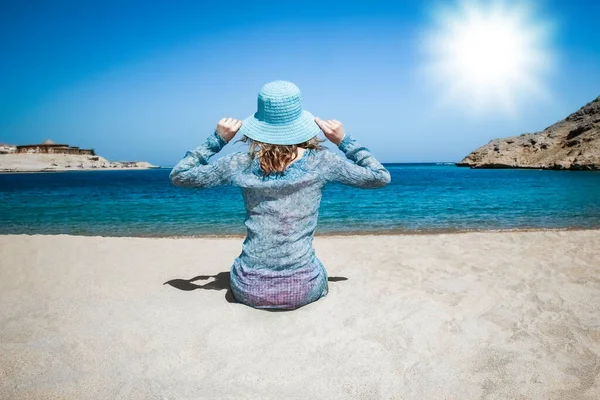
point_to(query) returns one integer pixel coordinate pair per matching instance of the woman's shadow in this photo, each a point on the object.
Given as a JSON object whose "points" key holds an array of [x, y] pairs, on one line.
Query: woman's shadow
{"points": [[220, 282]]}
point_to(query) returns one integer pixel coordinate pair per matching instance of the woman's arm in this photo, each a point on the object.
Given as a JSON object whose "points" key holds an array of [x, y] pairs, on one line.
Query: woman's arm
{"points": [[195, 171], [360, 168]]}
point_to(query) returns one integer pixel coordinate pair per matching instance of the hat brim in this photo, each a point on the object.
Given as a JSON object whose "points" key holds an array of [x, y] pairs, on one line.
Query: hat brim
{"points": [[298, 131]]}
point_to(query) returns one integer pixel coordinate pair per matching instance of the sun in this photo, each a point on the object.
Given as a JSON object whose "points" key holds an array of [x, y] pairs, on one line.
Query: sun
{"points": [[488, 56]]}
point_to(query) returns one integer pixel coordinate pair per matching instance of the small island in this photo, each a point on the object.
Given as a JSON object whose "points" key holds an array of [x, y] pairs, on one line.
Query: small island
{"points": [[572, 144], [53, 157]]}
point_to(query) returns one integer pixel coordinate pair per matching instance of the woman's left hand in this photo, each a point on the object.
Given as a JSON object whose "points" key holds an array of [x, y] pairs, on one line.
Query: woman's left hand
{"points": [[228, 127]]}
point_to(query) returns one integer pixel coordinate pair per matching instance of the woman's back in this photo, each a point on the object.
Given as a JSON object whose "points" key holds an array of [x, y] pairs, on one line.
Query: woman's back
{"points": [[281, 212]]}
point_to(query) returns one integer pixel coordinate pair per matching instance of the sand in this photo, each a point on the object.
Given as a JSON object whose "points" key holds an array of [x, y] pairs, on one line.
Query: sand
{"points": [[449, 316], [63, 162]]}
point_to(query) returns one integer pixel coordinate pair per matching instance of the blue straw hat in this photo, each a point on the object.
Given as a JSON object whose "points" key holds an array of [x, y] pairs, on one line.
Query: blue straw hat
{"points": [[280, 118]]}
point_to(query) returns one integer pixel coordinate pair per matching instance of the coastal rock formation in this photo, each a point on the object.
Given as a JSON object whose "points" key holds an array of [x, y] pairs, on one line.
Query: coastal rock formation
{"points": [[49, 156], [40, 162], [573, 143]]}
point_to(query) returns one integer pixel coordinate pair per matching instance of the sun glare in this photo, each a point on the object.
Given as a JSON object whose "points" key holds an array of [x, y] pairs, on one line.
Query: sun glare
{"points": [[487, 56]]}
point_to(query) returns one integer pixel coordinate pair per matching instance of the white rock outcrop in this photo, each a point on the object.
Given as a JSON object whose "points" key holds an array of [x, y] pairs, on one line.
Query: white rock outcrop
{"points": [[23, 162]]}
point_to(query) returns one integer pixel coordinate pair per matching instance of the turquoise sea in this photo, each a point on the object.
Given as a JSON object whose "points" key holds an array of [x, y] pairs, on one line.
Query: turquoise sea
{"points": [[420, 198]]}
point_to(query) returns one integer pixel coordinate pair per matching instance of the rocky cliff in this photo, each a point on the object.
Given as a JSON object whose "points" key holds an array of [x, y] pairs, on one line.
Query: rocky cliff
{"points": [[573, 143]]}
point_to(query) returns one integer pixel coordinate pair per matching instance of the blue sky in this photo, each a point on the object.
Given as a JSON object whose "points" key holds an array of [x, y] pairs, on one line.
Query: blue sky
{"points": [[150, 80]]}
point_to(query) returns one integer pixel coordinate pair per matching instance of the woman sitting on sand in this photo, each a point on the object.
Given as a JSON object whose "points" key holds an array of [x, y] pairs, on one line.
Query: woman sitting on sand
{"points": [[281, 177]]}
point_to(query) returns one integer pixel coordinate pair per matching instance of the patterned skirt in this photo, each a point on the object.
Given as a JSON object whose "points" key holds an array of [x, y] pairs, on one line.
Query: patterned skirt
{"points": [[285, 289]]}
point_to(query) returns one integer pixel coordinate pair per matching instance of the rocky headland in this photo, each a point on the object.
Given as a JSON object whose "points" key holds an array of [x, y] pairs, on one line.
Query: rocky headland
{"points": [[573, 143]]}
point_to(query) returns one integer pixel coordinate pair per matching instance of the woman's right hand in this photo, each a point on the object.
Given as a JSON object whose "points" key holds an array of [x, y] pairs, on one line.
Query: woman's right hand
{"points": [[333, 130]]}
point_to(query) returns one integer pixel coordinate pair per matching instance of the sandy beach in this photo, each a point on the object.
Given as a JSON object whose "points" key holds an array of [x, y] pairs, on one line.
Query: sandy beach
{"points": [[511, 315]]}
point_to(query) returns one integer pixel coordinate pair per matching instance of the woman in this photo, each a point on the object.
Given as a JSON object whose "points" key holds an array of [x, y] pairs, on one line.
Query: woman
{"points": [[281, 177]]}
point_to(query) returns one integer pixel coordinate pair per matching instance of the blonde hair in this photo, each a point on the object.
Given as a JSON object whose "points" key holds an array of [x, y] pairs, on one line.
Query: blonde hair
{"points": [[276, 157]]}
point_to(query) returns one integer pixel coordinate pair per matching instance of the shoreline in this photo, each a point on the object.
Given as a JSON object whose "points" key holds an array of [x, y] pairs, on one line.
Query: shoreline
{"points": [[79, 170], [61, 162], [528, 167], [394, 233]]}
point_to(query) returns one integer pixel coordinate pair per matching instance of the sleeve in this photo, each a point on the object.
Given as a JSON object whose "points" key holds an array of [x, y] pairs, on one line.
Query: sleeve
{"points": [[195, 171], [359, 169]]}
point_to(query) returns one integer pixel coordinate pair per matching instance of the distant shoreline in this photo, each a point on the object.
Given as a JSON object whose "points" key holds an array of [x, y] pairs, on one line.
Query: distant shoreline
{"points": [[50, 162], [45, 171], [396, 232], [524, 167]]}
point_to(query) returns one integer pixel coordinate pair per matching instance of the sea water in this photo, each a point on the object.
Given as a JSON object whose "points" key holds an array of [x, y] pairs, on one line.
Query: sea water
{"points": [[421, 198]]}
